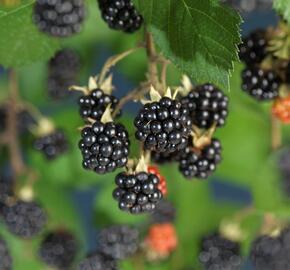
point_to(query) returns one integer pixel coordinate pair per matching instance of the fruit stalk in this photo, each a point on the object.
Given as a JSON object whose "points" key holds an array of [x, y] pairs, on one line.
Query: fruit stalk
{"points": [[276, 135]]}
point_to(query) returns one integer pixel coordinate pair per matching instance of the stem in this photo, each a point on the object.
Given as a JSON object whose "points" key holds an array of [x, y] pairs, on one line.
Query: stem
{"points": [[164, 74], [152, 59], [276, 133], [141, 90], [12, 128], [112, 61]]}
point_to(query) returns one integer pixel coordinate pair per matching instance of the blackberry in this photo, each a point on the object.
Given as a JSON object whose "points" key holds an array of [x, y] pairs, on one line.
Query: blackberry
{"points": [[219, 253], [63, 70], [201, 163], [207, 105], [137, 193], [5, 258], [269, 253], [260, 84], [118, 242], [105, 147], [165, 212], [253, 50], [94, 105], [52, 145], [121, 15], [98, 261], [163, 126], [59, 249], [59, 18], [24, 219]]}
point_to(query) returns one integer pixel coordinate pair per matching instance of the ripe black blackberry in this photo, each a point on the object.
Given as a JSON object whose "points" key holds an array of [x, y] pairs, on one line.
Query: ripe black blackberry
{"points": [[52, 145], [201, 163], [59, 18], [63, 70], [98, 261], [268, 253], [59, 249], [261, 84], [219, 253], [121, 15], [164, 212], [163, 126], [24, 219], [94, 105], [5, 258], [253, 49], [105, 147], [207, 105], [119, 241], [137, 193]]}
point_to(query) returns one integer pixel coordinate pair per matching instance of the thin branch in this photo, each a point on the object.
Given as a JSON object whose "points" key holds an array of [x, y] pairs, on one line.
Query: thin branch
{"points": [[12, 126], [152, 59], [138, 92], [276, 133], [112, 61], [164, 74]]}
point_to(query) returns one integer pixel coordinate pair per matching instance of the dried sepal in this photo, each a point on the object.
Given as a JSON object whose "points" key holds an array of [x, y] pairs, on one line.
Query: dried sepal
{"points": [[43, 127], [186, 85], [26, 193], [202, 138], [141, 165], [107, 115], [232, 230]]}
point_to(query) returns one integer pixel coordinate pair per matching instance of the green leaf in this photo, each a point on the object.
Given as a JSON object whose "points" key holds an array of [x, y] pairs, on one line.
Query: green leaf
{"points": [[21, 43], [283, 7], [200, 37]]}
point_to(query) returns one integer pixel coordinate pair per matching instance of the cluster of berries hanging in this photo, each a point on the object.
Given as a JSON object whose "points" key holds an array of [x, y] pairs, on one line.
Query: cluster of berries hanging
{"points": [[64, 18], [171, 126], [267, 73]]}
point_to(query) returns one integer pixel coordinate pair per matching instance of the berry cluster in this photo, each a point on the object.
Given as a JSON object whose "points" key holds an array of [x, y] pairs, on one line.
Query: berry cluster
{"points": [[163, 126], [60, 18], [261, 84], [121, 15], [160, 241], [58, 249], [268, 253], [253, 49], [119, 241], [98, 261], [162, 184], [24, 219], [105, 147], [137, 193], [52, 145], [5, 258], [219, 253], [207, 106], [200, 163], [63, 70], [94, 105]]}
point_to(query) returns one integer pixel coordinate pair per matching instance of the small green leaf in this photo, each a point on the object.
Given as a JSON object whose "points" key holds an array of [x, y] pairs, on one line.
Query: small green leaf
{"points": [[200, 37], [21, 43], [283, 7]]}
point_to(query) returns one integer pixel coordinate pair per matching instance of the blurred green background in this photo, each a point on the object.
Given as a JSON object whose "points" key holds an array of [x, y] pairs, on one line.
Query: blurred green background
{"points": [[82, 201]]}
